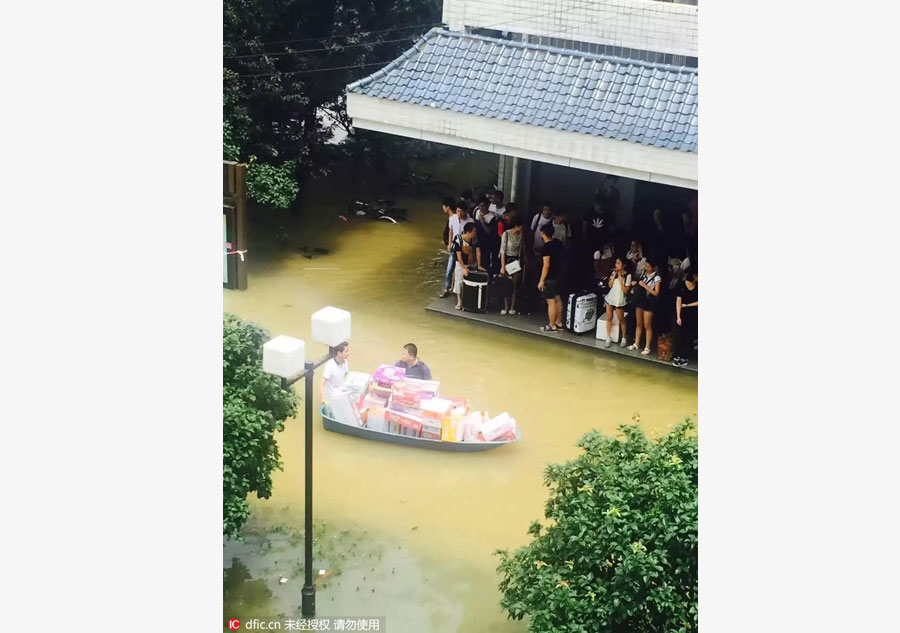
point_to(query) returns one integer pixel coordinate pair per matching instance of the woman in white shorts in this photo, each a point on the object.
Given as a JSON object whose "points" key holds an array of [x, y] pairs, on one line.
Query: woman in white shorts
{"points": [[616, 299]]}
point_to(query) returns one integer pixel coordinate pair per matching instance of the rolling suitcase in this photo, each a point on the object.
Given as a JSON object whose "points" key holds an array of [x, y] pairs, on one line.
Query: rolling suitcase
{"points": [[581, 312], [476, 291]]}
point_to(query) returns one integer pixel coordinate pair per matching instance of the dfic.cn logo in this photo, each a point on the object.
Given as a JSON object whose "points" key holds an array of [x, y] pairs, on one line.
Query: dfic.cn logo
{"points": [[234, 624]]}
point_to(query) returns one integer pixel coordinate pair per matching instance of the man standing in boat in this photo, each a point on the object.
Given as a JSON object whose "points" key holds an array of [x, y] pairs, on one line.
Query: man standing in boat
{"points": [[335, 370], [415, 368]]}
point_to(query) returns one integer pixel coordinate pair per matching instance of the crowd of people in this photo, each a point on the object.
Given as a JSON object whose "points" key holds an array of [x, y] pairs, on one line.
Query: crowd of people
{"points": [[648, 280]]}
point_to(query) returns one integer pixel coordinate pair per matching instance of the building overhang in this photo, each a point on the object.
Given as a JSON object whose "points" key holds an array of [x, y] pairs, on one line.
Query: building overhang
{"points": [[570, 149], [612, 115]]}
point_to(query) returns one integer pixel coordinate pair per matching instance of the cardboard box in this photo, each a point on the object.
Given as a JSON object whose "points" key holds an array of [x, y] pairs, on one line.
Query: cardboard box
{"points": [[387, 375], [436, 408], [460, 406], [601, 328], [431, 429], [407, 424], [429, 388], [502, 427]]}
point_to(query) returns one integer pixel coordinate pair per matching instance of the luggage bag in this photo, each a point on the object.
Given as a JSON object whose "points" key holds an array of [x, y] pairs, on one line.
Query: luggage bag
{"points": [[476, 291], [581, 312]]}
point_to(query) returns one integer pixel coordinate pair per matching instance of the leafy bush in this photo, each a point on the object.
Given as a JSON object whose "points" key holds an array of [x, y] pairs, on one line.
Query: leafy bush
{"points": [[254, 408], [272, 185], [231, 148], [619, 552]]}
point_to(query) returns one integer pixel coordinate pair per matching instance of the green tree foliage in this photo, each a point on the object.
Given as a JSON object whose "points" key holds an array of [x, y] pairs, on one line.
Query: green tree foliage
{"points": [[254, 409], [288, 61], [272, 185], [619, 550]]}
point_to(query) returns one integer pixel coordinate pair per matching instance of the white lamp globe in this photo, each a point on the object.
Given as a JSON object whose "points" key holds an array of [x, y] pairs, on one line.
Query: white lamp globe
{"points": [[284, 356], [331, 326]]}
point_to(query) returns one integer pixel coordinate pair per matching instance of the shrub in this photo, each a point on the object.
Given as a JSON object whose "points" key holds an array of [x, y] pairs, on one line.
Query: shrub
{"points": [[272, 185], [619, 551], [254, 408]]}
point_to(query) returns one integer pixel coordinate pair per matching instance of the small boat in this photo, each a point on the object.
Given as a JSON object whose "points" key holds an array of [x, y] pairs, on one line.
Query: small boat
{"points": [[331, 424]]}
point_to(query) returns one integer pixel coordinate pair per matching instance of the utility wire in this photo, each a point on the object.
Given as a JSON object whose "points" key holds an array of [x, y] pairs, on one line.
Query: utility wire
{"points": [[336, 48], [315, 70], [335, 37], [583, 5]]}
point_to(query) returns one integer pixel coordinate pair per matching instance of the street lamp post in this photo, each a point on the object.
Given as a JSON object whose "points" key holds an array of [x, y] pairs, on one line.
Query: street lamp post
{"points": [[285, 357]]}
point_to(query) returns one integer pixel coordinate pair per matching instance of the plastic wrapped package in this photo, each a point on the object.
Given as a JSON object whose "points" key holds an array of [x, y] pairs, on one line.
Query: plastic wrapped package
{"points": [[377, 419], [344, 408], [387, 375], [470, 426], [502, 427], [357, 382]]}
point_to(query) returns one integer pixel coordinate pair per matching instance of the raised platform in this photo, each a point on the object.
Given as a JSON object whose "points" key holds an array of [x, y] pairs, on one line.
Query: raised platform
{"points": [[531, 324]]}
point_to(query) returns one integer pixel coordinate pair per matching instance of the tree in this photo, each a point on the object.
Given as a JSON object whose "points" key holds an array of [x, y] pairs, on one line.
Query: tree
{"points": [[619, 551], [268, 184], [288, 61], [254, 409]]}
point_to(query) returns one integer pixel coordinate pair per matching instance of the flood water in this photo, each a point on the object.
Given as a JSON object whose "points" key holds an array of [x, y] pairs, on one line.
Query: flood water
{"points": [[448, 512]]}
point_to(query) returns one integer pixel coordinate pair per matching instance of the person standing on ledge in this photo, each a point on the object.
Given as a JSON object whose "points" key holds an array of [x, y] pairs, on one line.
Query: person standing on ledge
{"points": [[552, 277], [335, 369], [415, 368]]}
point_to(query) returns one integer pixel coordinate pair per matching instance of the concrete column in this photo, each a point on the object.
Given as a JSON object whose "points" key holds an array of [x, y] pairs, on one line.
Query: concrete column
{"points": [[625, 219], [514, 181], [523, 185], [504, 174]]}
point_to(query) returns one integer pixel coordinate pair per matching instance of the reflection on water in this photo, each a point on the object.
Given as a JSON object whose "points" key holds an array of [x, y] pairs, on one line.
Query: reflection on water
{"points": [[464, 506]]}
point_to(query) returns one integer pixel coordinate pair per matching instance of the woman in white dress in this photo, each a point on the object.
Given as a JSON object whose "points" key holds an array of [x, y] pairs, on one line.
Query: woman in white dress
{"points": [[616, 299]]}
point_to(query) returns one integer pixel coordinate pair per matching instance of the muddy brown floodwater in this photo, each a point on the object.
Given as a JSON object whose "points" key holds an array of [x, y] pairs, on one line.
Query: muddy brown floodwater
{"points": [[445, 513]]}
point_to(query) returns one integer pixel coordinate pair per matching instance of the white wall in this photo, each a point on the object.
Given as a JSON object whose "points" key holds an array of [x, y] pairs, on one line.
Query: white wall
{"points": [[642, 24]]}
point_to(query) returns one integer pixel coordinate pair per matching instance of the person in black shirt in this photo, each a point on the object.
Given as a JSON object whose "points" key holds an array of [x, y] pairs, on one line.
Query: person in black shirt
{"points": [[685, 318], [468, 254], [449, 208], [415, 367], [594, 227], [487, 221], [553, 255]]}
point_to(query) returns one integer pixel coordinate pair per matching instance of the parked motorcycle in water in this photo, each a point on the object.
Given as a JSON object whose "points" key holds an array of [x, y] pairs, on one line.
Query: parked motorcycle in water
{"points": [[382, 209]]}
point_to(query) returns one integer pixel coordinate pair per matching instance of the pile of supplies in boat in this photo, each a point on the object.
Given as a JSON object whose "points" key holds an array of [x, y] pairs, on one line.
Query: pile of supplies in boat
{"points": [[391, 403]]}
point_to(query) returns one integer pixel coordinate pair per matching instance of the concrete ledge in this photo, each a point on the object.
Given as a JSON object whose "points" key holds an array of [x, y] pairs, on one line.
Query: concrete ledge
{"points": [[531, 324]]}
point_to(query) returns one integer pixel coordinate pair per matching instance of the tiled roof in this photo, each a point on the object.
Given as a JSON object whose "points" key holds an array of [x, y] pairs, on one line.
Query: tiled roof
{"points": [[601, 95]]}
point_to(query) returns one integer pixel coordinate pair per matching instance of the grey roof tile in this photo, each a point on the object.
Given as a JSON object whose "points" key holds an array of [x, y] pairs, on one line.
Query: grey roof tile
{"points": [[626, 99]]}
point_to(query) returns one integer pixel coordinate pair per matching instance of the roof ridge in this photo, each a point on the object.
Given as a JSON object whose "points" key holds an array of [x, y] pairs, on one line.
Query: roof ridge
{"points": [[562, 51], [405, 55]]}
